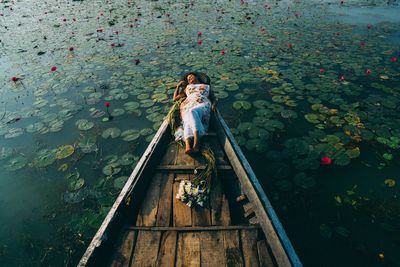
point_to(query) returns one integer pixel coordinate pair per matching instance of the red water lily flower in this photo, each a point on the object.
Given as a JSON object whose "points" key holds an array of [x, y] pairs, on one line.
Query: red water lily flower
{"points": [[325, 160], [322, 71], [14, 79], [222, 52], [290, 46], [99, 30], [71, 49], [107, 104], [342, 78], [113, 45], [53, 68], [199, 42], [368, 72], [199, 34], [394, 59]]}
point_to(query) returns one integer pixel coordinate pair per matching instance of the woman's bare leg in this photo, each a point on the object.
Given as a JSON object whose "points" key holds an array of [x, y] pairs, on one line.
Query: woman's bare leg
{"points": [[188, 149], [196, 141]]}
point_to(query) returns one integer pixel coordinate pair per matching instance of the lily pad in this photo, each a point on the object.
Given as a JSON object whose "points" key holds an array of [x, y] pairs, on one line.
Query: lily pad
{"points": [[111, 169], [111, 132], [44, 158], [120, 182], [127, 159], [5, 152], [130, 135], [84, 124], [64, 151], [88, 144], [390, 182], [16, 163], [245, 105], [76, 184]]}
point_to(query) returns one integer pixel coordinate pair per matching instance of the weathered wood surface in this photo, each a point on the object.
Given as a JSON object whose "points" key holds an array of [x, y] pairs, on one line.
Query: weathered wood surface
{"points": [[124, 249], [146, 249], [193, 228], [263, 254], [212, 249], [249, 247], [188, 253], [165, 202], [166, 255], [201, 215], [148, 213], [233, 252], [219, 206]]}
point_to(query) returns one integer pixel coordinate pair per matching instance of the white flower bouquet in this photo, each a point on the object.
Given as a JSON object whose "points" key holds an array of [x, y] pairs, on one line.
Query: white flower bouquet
{"points": [[191, 194], [196, 192]]}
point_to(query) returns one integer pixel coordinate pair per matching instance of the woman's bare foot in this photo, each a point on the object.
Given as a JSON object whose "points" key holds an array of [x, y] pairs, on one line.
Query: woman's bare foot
{"points": [[188, 149]]}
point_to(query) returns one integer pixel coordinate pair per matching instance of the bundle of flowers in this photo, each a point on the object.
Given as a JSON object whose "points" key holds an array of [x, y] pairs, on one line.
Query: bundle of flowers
{"points": [[196, 192], [191, 194]]}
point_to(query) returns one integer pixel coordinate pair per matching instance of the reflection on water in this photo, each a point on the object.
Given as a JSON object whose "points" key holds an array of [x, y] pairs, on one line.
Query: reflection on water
{"points": [[296, 83]]}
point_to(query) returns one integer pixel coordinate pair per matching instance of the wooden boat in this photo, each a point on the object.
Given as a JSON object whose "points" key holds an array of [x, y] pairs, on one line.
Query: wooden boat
{"points": [[148, 226]]}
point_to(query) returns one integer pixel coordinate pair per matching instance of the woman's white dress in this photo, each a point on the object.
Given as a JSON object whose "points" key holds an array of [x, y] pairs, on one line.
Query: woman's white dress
{"points": [[195, 110]]}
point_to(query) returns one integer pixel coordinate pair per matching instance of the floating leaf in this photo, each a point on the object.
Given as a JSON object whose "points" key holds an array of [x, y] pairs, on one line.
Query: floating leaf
{"points": [[242, 105], [388, 156], [63, 167], [311, 117], [130, 135], [353, 153], [64, 151], [390, 182], [5, 152], [120, 182], [16, 163], [338, 199], [88, 144], [76, 184], [111, 169], [44, 158], [84, 124], [111, 132]]}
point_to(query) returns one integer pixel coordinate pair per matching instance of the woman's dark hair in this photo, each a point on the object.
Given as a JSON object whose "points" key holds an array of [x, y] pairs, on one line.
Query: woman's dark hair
{"points": [[201, 77]]}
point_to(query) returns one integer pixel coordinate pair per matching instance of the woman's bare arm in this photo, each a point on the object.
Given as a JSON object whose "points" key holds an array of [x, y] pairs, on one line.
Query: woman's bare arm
{"points": [[177, 94]]}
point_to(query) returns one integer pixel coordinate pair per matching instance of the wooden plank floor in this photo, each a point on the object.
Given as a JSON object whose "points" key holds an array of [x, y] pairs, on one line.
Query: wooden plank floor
{"points": [[162, 235]]}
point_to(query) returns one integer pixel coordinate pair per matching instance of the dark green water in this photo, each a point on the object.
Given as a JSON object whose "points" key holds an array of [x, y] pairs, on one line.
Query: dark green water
{"points": [[60, 174]]}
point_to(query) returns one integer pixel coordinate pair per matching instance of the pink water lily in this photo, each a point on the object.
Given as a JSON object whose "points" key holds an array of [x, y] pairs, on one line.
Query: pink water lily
{"points": [[325, 160], [368, 72], [53, 68], [322, 71]]}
